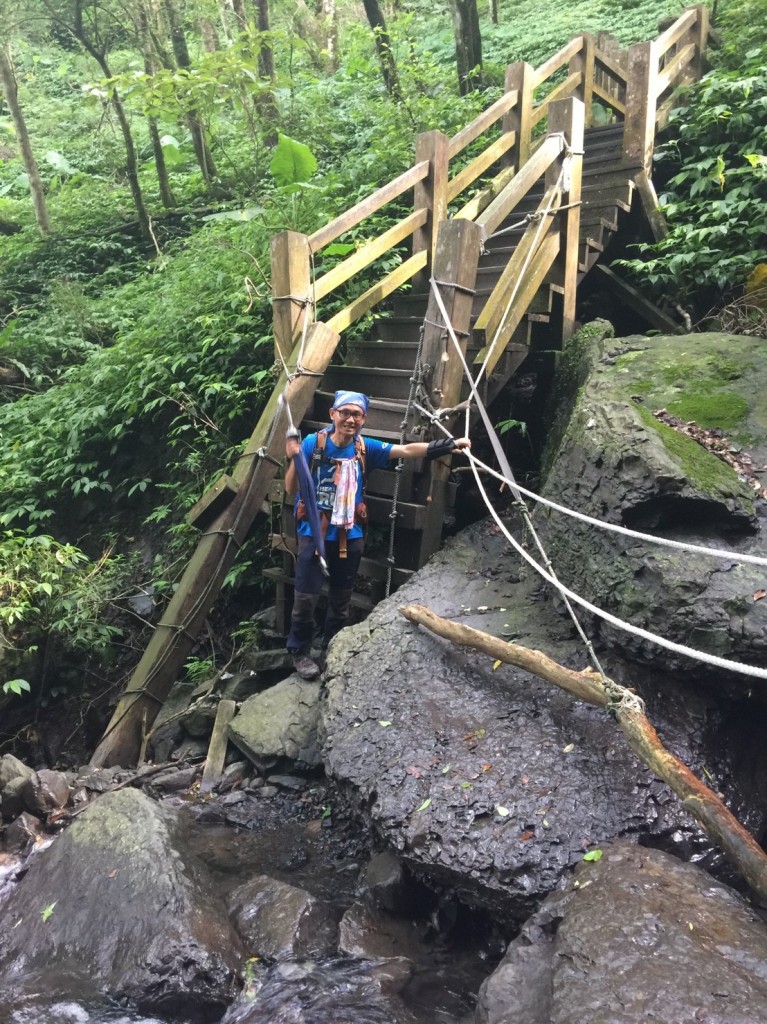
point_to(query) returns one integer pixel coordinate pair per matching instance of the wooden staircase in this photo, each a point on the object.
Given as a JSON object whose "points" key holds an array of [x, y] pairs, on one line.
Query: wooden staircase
{"points": [[536, 166]]}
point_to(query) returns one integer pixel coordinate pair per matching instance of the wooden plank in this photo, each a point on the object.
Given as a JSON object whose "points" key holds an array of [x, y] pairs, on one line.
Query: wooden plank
{"points": [[568, 117], [482, 200], [368, 253], [606, 62], [291, 283], [212, 503], [583, 63], [481, 124], [649, 198], [566, 88], [491, 316], [671, 74], [214, 762], [520, 77], [639, 131], [610, 99], [280, 576], [500, 208], [674, 33], [540, 266], [480, 164], [351, 313], [363, 209], [646, 309], [431, 194], [559, 59]]}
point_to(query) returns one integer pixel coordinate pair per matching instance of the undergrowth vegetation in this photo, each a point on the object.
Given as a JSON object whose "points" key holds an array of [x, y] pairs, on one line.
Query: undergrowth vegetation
{"points": [[132, 367]]}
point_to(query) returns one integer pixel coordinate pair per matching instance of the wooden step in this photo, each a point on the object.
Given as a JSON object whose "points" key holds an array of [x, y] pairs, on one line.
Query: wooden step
{"points": [[379, 382]]}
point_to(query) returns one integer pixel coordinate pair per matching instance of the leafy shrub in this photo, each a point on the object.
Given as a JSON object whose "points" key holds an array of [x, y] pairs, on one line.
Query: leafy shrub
{"points": [[715, 169]]}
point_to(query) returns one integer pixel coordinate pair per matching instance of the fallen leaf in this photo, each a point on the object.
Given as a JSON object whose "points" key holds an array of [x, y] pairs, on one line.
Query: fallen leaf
{"points": [[527, 835], [112, 873], [525, 779], [384, 725], [46, 913], [759, 594], [424, 805], [504, 812], [568, 749], [446, 769], [414, 771], [487, 767], [593, 855], [497, 665]]}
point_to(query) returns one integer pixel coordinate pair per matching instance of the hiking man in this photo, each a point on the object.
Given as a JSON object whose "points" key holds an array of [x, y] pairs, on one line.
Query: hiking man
{"points": [[339, 460]]}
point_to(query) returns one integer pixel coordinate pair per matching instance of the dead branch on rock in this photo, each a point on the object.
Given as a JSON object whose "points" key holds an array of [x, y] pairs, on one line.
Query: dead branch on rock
{"points": [[703, 804]]}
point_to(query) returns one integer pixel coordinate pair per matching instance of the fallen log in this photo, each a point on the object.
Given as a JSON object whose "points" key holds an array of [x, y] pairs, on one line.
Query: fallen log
{"points": [[628, 710]]}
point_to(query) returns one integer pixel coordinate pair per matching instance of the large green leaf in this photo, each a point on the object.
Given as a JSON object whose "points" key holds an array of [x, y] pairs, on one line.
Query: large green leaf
{"points": [[292, 162]]}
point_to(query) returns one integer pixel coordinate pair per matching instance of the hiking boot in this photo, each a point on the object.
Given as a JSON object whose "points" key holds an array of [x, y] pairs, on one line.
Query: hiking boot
{"points": [[305, 666]]}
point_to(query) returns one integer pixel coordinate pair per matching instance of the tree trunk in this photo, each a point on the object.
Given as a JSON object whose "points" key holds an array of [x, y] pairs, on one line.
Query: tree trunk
{"points": [[240, 17], [713, 815], [327, 15], [150, 66], [383, 47], [181, 53], [265, 102], [468, 44], [494, 11], [209, 35], [8, 80]]}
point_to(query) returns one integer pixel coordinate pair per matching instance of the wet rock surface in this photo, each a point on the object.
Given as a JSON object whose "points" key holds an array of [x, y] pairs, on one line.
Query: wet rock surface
{"points": [[89, 905], [490, 780], [617, 462], [279, 921], [635, 936], [281, 722]]}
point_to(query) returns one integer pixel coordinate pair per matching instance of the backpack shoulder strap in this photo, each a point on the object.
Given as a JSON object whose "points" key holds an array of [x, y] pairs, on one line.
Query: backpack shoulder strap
{"points": [[360, 453]]}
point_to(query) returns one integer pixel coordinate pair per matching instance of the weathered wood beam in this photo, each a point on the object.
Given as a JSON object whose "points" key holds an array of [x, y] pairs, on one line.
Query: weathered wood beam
{"points": [[480, 164], [350, 314], [177, 633], [214, 763], [639, 303], [650, 206], [704, 805], [481, 124], [568, 117], [455, 269]]}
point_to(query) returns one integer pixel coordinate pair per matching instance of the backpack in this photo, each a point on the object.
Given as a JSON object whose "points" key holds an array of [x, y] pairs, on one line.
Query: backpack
{"points": [[360, 509]]}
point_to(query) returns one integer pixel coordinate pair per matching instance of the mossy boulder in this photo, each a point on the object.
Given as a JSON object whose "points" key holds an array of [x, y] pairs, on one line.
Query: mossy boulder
{"points": [[616, 461]]}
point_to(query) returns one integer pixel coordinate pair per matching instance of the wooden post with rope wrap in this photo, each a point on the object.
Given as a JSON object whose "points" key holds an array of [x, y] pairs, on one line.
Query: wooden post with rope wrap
{"points": [[176, 635], [705, 806], [455, 270]]}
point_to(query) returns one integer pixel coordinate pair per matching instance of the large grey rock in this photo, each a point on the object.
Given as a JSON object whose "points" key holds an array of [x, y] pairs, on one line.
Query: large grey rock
{"points": [[618, 463], [129, 908], [636, 936], [12, 768], [280, 722], [374, 934], [490, 780], [45, 791], [280, 921]]}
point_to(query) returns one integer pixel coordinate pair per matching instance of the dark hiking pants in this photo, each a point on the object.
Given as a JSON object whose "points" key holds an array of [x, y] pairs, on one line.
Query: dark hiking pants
{"points": [[308, 586]]}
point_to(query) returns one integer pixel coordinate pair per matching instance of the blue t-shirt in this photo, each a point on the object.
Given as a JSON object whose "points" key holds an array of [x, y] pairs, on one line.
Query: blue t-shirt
{"points": [[376, 457]]}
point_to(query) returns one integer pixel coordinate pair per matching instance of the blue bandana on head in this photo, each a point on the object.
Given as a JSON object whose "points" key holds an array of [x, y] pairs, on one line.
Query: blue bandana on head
{"points": [[350, 398]]}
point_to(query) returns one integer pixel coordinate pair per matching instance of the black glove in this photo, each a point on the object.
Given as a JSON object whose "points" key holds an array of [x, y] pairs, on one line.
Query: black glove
{"points": [[443, 446]]}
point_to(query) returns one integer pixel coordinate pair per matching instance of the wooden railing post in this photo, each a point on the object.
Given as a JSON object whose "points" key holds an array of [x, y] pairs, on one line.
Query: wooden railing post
{"points": [[700, 38], [584, 62], [430, 195], [455, 264], [641, 100], [291, 289], [519, 76], [568, 116]]}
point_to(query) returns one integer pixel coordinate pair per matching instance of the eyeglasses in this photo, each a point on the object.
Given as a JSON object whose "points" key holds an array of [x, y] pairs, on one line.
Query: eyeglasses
{"points": [[347, 414]]}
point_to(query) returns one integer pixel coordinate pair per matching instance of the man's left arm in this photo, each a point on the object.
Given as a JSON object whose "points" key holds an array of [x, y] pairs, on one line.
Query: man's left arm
{"points": [[429, 449]]}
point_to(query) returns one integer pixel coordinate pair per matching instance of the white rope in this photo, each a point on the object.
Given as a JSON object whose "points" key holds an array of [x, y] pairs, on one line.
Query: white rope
{"points": [[555, 193], [708, 659], [730, 556]]}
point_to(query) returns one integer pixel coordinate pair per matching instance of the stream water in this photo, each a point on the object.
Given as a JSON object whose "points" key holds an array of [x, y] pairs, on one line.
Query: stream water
{"points": [[455, 951]]}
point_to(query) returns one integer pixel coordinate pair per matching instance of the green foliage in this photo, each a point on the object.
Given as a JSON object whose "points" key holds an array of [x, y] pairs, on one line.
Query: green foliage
{"points": [[716, 172], [50, 593]]}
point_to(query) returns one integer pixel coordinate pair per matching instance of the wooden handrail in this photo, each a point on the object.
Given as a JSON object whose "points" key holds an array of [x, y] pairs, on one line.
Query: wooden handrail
{"points": [[608, 64], [547, 69], [363, 209], [566, 88], [674, 32], [404, 272], [480, 164], [368, 253], [609, 99], [480, 124], [672, 72], [519, 186]]}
